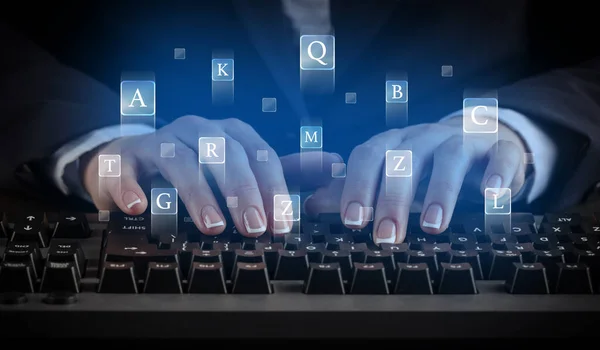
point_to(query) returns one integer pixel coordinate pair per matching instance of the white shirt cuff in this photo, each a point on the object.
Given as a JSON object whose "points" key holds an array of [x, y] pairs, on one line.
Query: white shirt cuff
{"points": [[543, 149], [73, 150]]}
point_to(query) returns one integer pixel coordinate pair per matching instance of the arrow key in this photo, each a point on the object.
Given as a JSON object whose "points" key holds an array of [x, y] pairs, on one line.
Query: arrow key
{"points": [[26, 232], [72, 226]]}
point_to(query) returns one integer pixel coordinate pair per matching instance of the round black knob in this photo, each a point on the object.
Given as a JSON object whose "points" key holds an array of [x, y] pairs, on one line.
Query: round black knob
{"points": [[13, 298], [60, 298]]}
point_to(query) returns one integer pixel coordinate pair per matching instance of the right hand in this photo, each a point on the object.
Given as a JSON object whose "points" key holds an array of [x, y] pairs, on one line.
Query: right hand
{"points": [[253, 183]]}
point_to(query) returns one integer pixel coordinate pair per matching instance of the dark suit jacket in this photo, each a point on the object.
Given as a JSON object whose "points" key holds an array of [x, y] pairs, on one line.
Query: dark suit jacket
{"points": [[491, 44]]}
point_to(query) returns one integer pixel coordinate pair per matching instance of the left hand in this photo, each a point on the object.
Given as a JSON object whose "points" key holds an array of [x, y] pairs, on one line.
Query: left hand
{"points": [[439, 150]]}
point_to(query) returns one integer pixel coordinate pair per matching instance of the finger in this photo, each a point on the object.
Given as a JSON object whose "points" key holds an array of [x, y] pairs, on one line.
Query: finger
{"points": [[363, 177], [451, 162], [234, 178], [184, 173], [504, 166], [311, 170], [124, 192], [268, 172], [396, 194]]}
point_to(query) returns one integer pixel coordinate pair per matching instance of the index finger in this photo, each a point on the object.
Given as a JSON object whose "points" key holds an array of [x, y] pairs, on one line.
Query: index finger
{"points": [[268, 172]]}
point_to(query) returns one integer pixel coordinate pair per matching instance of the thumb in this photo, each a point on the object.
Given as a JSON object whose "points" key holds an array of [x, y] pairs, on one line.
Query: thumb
{"points": [[310, 170], [122, 192]]}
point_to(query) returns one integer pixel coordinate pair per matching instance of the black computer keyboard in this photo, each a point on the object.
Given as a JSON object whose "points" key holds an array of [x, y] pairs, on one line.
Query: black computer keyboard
{"points": [[68, 274]]}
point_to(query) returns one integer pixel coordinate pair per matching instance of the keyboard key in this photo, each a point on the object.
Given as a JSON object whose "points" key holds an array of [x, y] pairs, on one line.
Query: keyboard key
{"points": [[28, 232], [118, 278], [292, 265], [574, 279], [67, 251], [337, 242], [413, 279], [60, 277], [343, 258], [385, 257], [470, 257], [499, 241], [206, 256], [294, 241], [423, 256], [207, 278], [163, 278], [369, 278], [228, 254], [456, 279], [271, 253], [314, 251], [27, 253], [527, 279], [72, 226], [564, 218], [325, 278], [502, 261], [400, 251], [17, 277], [251, 278]]}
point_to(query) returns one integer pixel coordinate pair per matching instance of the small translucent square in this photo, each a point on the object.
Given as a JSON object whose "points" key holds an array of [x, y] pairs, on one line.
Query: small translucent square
{"points": [[232, 202], [447, 71], [497, 201], [103, 215], [480, 115], [138, 98], [366, 213], [398, 163], [528, 159], [109, 165], [396, 91], [211, 150], [350, 97], [179, 53], [167, 150], [262, 155], [338, 170], [222, 69], [164, 201], [269, 104], [311, 137], [286, 207]]}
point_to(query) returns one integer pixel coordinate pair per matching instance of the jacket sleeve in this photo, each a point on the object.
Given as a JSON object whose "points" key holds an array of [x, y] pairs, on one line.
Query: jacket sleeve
{"points": [[565, 104], [44, 106]]}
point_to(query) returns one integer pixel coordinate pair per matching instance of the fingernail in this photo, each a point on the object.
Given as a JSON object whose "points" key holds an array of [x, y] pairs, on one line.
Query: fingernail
{"points": [[211, 217], [281, 227], [386, 232], [253, 221], [494, 182], [131, 199], [353, 215], [433, 216]]}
